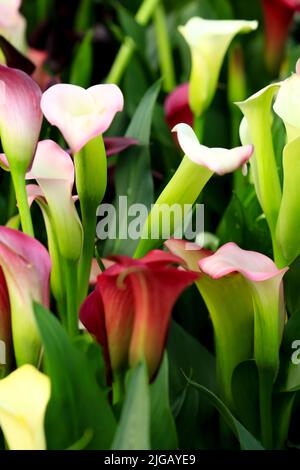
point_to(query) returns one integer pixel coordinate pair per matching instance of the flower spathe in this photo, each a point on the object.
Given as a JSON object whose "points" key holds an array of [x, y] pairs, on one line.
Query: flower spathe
{"points": [[53, 169], [5, 326], [286, 105], [20, 117], [208, 41], [129, 311], [177, 108], [81, 114], [24, 396], [218, 160], [26, 267], [265, 282]]}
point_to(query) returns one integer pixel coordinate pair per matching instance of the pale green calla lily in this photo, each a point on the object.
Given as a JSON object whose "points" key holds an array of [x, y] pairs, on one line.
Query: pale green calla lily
{"points": [[208, 41], [257, 111], [287, 106], [24, 396]]}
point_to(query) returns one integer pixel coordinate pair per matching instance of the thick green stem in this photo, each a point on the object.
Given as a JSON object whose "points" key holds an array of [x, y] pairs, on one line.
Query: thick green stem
{"points": [[22, 201], [199, 123], [126, 51], [91, 180], [71, 291], [265, 408], [164, 49]]}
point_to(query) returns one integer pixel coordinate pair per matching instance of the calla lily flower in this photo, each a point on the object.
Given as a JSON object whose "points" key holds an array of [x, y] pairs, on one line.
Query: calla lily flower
{"points": [[12, 23], [177, 108], [5, 326], [20, 117], [278, 15], [197, 167], [53, 170], [129, 311], [286, 108], [257, 128], [240, 287], [208, 41], [26, 267], [81, 114], [24, 396]]}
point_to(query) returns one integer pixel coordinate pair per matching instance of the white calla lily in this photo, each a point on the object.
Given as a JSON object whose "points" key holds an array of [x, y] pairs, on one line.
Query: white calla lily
{"points": [[209, 41], [218, 160], [22, 414]]}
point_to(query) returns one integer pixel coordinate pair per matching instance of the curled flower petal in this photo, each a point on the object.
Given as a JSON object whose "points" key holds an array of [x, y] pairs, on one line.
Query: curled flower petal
{"points": [[22, 414], [81, 114], [286, 105], [230, 258], [218, 160]]}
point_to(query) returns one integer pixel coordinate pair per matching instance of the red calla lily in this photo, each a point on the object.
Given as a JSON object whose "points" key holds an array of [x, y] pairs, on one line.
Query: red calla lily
{"points": [[129, 310], [278, 17]]}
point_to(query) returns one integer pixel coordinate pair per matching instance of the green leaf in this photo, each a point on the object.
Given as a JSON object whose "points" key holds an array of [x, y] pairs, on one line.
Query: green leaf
{"points": [[246, 440], [133, 176], [163, 430], [82, 65], [289, 374], [78, 405], [132, 29], [133, 432]]}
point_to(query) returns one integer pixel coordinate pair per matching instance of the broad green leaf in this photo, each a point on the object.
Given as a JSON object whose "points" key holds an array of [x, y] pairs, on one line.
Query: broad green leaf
{"points": [[163, 430], [289, 374], [82, 65], [78, 405], [246, 440], [133, 432], [133, 176]]}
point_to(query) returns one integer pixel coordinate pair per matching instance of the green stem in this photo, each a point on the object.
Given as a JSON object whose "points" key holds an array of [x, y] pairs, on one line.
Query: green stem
{"points": [[199, 123], [91, 180], [11, 209], [126, 50], [71, 291], [265, 407], [118, 389], [164, 49], [22, 201], [84, 269]]}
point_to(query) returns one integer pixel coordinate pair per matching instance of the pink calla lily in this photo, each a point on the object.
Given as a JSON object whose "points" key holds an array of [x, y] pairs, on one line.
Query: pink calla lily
{"points": [[20, 117], [26, 267], [129, 311], [81, 114], [12, 23], [177, 108]]}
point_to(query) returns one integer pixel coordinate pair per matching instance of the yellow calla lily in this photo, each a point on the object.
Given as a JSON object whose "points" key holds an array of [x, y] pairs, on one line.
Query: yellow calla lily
{"points": [[24, 395], [209, 41]]}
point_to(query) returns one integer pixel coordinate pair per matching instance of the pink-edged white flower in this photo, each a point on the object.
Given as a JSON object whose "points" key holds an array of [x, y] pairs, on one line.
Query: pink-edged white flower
{"points": [[243, 291], [218, 160], [20, 117], [53, 169], [26, 267], [81, 114]]}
